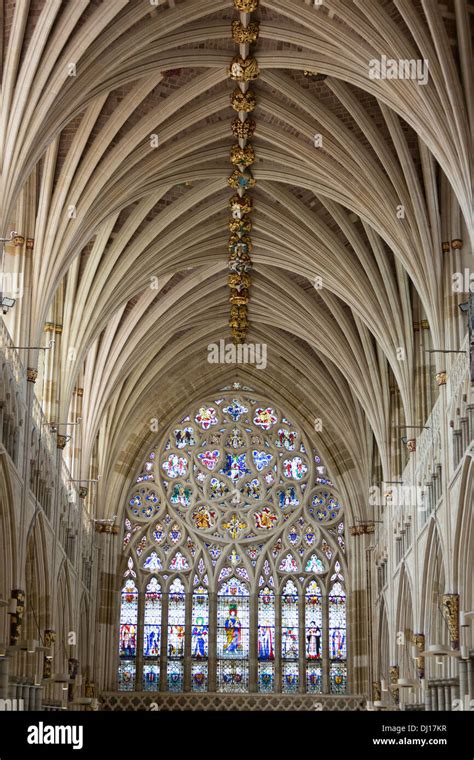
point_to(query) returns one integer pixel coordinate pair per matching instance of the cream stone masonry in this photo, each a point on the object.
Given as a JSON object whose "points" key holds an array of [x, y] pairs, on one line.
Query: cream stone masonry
{"points": [[114, 153]]}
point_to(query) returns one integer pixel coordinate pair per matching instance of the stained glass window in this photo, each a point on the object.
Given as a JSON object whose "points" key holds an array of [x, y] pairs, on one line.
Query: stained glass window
{"points": [[266, 639], [337, 638], [152, 636], [234, 500], [176, 634], [289, 622], [128, 635], [313, 637], [233, 610], [200, 639]]}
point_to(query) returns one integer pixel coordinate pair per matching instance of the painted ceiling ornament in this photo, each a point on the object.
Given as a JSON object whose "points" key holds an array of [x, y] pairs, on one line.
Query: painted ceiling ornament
{"points": [[240, 245], [239, 298], [245, 34], [242, 156], [241, 180], [238, 321], [243, 129], [243, 101], [240, 206], [238, 281], [247, 6], [243, 69], [240, 226]]}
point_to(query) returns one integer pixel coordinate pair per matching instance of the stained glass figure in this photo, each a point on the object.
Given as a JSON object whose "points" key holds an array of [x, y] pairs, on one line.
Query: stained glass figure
{"points": [[289, 622], [128, 620], [204, 518], [175, 466], [286, 439], [184, 437], [200, 624], [266, 624], [152, 562], [206, 417], [337, 622], [288, 497], [235, 466], [233, 620], [265, 519], [179, 562], [288, 564], [152, 620], [265, 418], [176, 622], [294, 468], [313, 621], [315, 565], [181, 494]]}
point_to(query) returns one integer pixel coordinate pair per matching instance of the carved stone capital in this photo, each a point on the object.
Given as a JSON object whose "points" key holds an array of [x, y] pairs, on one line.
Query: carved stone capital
{"points": [[362, 529], [411, 445], [31, 374], [61, 441], [49, 638], [456, 244], [441, 377], [106, 528]]}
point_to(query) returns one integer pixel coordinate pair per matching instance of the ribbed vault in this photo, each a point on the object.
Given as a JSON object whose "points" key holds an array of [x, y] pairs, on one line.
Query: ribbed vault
{"points": [[143, 215]]}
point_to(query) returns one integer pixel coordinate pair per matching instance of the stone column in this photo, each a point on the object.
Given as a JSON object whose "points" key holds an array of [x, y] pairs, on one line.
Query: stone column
{"points": [[188, 628], [253, 644], [463, 682], [38, 697], [447, 696], [441, 700], [278, 643], [428, 702], [433, 689], [4, 671], [212, 642]]}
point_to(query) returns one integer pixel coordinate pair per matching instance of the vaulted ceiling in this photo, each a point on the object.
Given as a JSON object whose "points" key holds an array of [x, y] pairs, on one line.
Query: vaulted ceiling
{"points": [[85, 85]]}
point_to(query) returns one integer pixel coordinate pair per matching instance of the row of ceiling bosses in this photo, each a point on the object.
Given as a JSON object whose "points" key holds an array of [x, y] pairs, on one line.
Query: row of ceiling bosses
{"points": [[243, 70]]}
